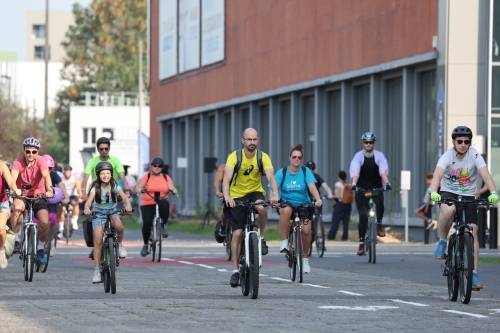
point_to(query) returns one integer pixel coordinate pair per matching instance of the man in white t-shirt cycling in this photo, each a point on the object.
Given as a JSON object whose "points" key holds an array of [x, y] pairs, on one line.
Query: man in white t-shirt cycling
{"points": [[456, 172], [74, 190]]}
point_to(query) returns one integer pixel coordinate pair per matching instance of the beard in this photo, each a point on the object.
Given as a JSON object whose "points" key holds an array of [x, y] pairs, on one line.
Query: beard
{"points": [[251, 147]]}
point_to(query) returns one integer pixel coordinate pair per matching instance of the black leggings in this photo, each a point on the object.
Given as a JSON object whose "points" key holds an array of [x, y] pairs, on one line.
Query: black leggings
{"points": [[362, 205], [148, 214]]}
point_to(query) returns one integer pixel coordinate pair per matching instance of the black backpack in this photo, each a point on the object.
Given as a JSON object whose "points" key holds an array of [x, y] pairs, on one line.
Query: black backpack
{"points": [[237, 167]]}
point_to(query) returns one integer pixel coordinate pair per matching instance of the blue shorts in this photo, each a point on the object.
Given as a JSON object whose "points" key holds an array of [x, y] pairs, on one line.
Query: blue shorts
{"points": [[5, 206], [100, 219]]}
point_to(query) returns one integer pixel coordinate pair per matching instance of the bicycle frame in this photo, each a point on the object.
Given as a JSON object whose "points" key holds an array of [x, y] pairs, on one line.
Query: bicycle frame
{"points": [[250, 229]]}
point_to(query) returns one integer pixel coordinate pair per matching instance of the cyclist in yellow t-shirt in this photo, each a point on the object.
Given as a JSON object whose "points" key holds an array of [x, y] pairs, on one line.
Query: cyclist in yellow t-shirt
{"points": [[247, 185]]}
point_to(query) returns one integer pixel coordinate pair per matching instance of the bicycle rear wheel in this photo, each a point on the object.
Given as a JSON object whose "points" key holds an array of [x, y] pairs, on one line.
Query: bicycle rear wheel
{"points": [[466, 266], [46, 246], [451, 267], [320, 237], [112, 264], [253, 270], [159, 239], [229, 238], [291, 258], [67, 227], [298, 253], [31, 252], [244, 276]]}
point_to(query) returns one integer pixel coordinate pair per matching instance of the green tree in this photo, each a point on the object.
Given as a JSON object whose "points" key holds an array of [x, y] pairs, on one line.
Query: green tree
{"points": [[102, 54]]}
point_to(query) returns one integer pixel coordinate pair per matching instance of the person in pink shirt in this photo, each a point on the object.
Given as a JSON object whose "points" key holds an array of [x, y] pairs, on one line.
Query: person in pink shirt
{"points": [[32, 169]]}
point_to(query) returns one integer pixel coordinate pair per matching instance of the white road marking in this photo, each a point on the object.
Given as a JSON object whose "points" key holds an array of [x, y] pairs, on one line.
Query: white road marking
{"points": [[466, 313], [280, 279], [206, 266], [360, 308], [222, 270], [314, 285], [167, 259], [411, 303], [262, 275], [350, 293], [496, 311], [186, 262]]}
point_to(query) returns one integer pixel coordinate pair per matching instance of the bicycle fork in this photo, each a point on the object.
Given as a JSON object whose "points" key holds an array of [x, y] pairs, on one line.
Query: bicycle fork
{"points": [[248, 231]]}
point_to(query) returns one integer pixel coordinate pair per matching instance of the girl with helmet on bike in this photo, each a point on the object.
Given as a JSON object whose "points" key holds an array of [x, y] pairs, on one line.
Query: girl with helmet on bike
{"points": [[154, 181], [103, 196]]}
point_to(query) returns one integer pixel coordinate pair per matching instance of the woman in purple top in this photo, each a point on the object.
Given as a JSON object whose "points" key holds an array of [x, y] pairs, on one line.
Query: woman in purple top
{"points": [[369, 170]]}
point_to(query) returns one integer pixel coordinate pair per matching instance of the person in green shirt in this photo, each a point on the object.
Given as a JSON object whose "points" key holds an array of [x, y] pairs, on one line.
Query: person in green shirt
{"points": [[103, 146]]}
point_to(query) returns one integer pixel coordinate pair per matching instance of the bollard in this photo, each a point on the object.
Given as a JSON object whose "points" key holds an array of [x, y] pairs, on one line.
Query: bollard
{"points": [[494, 227], [481, 226]]}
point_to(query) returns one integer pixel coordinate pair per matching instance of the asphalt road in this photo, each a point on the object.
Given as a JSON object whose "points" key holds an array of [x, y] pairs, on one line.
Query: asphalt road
{"points": [[189, 292]]}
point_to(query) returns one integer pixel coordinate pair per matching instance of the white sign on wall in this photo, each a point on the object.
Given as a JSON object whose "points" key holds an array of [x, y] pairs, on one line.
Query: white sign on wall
{"points": [[168, 39], [212, 31], [189, 35]]}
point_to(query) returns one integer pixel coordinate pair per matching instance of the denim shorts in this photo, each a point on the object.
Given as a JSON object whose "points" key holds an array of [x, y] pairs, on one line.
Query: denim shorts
{"points": [[100, 219], [5, 206]]}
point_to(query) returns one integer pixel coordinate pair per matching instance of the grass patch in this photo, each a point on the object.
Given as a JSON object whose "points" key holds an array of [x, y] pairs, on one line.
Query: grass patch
{"points": [[490, 260]]}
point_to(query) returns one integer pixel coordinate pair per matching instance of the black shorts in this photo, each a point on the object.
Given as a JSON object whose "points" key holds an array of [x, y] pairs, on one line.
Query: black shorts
{"points": [[470, 209], [73, 198], [38, 206], [240, 213], [227, 212]]}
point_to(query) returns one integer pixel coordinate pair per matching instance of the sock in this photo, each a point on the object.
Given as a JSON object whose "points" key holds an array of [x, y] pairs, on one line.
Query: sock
{"points": [[61, 226], [97, 269], [16, 237], [429, 221], [444, 240], [74, 219], [120, 244], [236, 271], [41, 245]]}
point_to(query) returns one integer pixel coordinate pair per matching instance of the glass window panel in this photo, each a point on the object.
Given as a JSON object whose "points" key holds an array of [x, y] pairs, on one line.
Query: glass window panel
{"points": [[495, 92], [308, 114], [495, 150], [263, 131], [39, 31], [495, 49], [333, 109], [284, 133], [228, 144], [362, 109]]}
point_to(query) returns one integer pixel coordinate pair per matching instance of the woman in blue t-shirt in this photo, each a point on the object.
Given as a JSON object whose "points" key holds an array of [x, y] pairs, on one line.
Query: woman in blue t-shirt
{"points": [[293, 189], [103, 196]]}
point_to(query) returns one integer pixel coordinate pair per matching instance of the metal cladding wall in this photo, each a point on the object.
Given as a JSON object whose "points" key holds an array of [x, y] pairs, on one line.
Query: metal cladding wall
{"points": [[271, 44]]}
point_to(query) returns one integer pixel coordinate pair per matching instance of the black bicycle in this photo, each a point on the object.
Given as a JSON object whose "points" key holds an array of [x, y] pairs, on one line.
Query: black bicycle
{"points": [[29, 239], [317, 232], [155, 240], [459, 262], [110, 258], [67, 226], [250, 259], [371, 228], [295, 254]]}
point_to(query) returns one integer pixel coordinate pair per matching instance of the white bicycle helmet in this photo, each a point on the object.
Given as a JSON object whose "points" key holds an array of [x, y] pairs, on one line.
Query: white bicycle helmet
{"points": [[31, 142], [368, 136]]}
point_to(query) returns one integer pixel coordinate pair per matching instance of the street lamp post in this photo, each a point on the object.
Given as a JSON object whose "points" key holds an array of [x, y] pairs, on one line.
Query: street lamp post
{"points": [[46, 54], [139, 142]]}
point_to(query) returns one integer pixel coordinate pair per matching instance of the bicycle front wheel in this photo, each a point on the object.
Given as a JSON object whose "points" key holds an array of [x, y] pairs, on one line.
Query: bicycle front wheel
{"points": [[105, 260], [253, 270], [292, 264], [451, 267], [320, 237], [229, 238], [244, 276], [67, 227], [31, 252], [298, 253], [112, 264], [159, 239], [373, 242], [466, 266], [152, 243]]}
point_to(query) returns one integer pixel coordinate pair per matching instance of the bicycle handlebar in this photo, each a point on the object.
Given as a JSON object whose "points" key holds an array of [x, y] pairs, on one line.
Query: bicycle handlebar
{"points": [[162, 197], [117, 211], [252, 203], [453, 201], [284, 203]]}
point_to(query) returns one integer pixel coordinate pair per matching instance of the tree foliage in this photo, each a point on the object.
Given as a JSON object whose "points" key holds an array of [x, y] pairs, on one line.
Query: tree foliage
{"points": [[102, 54]]}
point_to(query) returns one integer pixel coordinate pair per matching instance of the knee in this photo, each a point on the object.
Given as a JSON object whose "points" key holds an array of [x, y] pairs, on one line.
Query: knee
{"points": [[97, 242], [3, 232]]}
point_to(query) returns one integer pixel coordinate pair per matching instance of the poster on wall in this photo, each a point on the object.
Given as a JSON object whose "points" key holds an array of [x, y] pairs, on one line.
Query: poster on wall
{"points": [[168, 39], [212, 31], [189, 35], [440, 117]]}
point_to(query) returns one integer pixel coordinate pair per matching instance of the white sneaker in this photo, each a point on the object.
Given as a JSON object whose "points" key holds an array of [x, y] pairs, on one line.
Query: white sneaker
{"points": [[122, 252], [3, 260], [305, 266], [74, 225], [284, 246], [53, 248], [96, 278]]}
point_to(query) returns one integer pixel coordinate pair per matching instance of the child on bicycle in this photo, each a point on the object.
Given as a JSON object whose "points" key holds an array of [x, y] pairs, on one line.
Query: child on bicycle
{"points": [[103, 196]]}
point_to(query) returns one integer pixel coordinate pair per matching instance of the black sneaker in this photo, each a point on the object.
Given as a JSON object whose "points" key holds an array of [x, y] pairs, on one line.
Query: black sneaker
{"points": [[91, 255], [361, 250], [265, 249], [235, 280], [164, 233], [144, 251]]}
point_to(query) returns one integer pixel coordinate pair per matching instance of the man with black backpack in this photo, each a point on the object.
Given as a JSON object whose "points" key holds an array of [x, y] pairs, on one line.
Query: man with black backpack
{"points": [[242, 181]]}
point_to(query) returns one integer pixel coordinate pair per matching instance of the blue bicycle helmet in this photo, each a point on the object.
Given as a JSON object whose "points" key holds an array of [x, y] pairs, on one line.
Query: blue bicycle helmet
{"points": [[368, 136]]}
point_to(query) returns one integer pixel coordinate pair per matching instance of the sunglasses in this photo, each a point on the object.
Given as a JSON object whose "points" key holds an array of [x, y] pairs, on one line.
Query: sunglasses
{"points": [[368, 142], [463, 141], [157, 165], [103, 149], [107, 197], [31, 152], [296, 157]]}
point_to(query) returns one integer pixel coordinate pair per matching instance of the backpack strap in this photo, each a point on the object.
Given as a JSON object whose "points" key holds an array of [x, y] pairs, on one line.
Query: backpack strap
{"points": [[260, 164], [236, 167], [149, 176], [284, 174]]}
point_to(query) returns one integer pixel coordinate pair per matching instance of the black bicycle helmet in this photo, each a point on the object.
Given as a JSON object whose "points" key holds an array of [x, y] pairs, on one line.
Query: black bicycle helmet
{"points": [[218, 237], [157, 160], [368, 136], [311, 165], [67, 167], [461, 131], [102, 140], [103, 166]]}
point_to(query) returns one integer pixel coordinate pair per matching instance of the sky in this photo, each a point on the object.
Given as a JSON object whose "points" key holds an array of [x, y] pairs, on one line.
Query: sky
{"points": [[13, 21]]}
